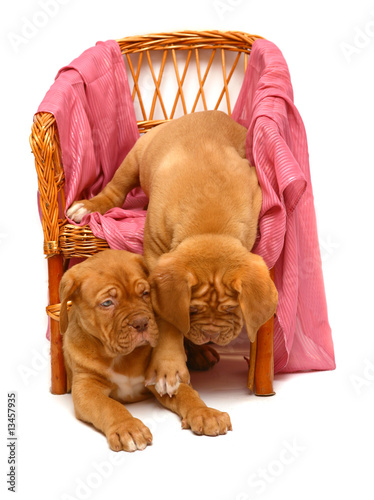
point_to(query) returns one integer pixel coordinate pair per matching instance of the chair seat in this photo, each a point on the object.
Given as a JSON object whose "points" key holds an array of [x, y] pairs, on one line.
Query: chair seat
{"points": [[79, 241]]}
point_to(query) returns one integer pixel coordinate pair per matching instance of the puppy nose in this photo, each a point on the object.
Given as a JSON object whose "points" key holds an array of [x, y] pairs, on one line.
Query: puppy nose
{"points": [[213, 334], [140, 323]]}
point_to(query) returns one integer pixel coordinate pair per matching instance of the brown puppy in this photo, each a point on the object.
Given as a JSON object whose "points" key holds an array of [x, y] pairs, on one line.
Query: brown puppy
{"points": [[108, 335], [204, 203]]}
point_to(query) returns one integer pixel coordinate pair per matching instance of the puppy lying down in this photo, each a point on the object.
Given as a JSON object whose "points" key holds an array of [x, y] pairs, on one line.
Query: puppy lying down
{"points": [[202, 219], [108, 336]]}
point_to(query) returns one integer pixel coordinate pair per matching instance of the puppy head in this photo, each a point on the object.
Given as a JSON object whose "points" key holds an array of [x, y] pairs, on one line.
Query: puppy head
{"points": [[209, 285], [110, 298]]}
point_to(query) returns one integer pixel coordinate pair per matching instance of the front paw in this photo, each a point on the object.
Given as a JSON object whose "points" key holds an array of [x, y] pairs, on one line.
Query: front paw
{"points": [[166, 375], [129, 435], [78, 210], [207, 421], [200, 357]]}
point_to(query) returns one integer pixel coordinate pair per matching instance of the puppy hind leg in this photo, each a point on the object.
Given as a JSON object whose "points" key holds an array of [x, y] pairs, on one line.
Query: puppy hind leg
{"points": [[124, 180], [114, 193]]}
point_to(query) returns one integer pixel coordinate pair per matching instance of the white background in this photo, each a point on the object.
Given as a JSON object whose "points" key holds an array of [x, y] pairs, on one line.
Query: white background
{"points": [[314, 439]]}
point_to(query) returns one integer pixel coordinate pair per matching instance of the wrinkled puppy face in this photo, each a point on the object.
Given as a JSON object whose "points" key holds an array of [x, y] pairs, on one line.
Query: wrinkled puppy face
{"points": [[110, 298], [208, 287], [214, 310]]}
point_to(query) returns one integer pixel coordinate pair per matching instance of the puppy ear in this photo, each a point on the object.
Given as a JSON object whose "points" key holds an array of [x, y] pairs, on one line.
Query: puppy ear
{"points": [[171, 286], [258, 296], [68, 286]]}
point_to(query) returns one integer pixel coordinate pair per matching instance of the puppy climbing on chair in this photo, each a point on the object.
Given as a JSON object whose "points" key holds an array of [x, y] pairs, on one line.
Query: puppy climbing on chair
{"points": [[201, 225], [109, 332]]}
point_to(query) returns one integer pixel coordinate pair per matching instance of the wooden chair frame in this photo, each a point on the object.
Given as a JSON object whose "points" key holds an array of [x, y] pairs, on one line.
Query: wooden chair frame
{"points": [[62, 240]]}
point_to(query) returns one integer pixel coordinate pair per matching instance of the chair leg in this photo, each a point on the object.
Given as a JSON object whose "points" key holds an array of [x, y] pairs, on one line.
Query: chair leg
{"points": [[252, 365], [264, 370], [58, 372], [261, 362]]}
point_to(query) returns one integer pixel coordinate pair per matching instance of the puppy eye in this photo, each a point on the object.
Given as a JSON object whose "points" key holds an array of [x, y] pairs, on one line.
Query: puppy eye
{"points": [[145, 294], [230, 308], [107, 303], [193, 310]]}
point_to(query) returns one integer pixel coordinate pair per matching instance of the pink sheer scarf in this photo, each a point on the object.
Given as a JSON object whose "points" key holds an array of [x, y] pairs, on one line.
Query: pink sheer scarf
{"points": [[95, 116], [277, 146]]}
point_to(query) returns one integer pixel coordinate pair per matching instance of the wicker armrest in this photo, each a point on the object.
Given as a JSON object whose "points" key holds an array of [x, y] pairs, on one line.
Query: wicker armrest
{"points": [[45, 145]]}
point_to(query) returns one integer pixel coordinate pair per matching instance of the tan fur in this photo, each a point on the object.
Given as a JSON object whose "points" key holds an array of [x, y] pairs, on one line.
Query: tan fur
{"points": [[108, 335], [204, 204]]}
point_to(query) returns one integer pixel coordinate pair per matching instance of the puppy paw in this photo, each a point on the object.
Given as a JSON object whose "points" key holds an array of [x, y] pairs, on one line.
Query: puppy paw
{"points": [[207, 421], [200, 357], [78, 210], [130, 435], [166, 376]]}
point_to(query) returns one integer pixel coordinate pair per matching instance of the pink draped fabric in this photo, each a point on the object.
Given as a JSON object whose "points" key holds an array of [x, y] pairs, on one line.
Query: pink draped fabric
{"points": [[92, 104], [277, 145], [96, 121]]}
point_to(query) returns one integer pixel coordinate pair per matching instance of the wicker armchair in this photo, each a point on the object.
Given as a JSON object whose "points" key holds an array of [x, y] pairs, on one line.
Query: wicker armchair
{"points": [[207, 70]]}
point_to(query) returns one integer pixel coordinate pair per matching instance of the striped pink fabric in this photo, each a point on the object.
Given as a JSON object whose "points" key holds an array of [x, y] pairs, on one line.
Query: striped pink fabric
{"points": [[94, 111], [277, 146], [91, 102]]}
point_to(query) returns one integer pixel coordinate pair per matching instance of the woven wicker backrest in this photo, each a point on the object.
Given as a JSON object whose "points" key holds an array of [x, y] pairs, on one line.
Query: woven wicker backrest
{"points": [[178, 73], [170, 74]]}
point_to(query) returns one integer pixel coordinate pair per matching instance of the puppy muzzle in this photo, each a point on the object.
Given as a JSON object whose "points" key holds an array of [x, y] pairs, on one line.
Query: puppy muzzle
{"points": [[140, 323], [135, 331], [202, 333], [145, 329], [201, 336]]}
